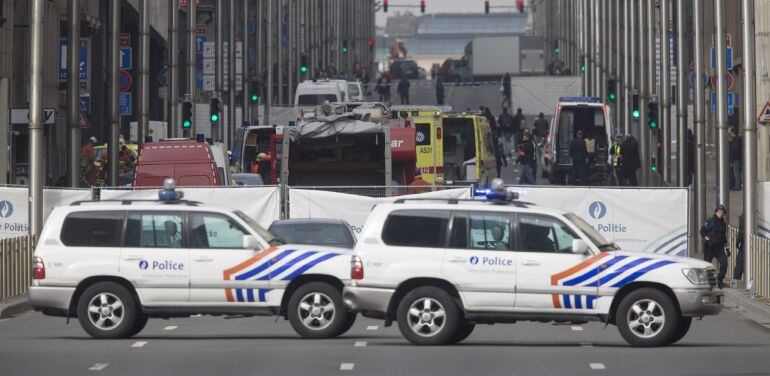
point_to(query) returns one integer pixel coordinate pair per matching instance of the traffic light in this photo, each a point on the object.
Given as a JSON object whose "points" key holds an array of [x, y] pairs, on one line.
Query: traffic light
{"points": [[371, 44], [635, 110], [344, 46], [486, 7], [582, 67], [520, 6], [612, 90], [215, 111], [187, 114], [652, 115], [422, 6], [303, 64], [385, 6], [654, 164]]}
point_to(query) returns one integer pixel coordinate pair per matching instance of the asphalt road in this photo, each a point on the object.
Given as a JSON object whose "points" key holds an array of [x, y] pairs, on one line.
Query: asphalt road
{"points": [[34, 344]]}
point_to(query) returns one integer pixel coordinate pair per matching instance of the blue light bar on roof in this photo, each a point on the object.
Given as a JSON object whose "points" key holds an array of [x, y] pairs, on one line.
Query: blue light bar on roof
{"points": [[580, 99]]}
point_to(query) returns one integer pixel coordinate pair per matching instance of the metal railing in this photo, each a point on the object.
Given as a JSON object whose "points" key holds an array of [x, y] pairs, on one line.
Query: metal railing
{"points": [[15, 266], [380, 191], [760, 261]]}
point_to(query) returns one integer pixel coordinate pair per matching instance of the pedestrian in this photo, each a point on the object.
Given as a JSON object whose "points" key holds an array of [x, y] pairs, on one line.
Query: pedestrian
{"points": [[500, 157], [418, 184], [518, 120], [590, 149], [631, 161], [541, 128], [505, 122], [255, 168], [505, 88], [88, 171], [579, 155], [439, 92], [740, 257], [491, 119], [383, 88], [528, 160], [403, 90], [126, 163], [714, 237], [734, 156], [616, 159]]}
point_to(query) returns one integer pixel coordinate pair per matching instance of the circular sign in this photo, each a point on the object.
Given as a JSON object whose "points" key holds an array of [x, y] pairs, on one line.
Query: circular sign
{"points": [[729, 80], [124, 81], [691, 78]]}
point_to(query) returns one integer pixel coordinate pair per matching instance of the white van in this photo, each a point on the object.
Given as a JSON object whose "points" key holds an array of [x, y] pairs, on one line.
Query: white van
{"points": [[352, 91], [314, 93]]}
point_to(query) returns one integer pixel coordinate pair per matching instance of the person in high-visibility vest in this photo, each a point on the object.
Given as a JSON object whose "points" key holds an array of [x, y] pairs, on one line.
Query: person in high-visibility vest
{"points": [[255, 167], [616, 158]]}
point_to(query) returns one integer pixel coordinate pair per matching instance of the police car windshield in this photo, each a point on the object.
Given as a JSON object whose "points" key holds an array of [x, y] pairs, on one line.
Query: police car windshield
{"points": [[596, 238], [269, 238]]}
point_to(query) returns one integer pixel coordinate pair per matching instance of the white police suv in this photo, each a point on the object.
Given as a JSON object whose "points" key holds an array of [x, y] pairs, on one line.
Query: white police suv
{"points": [[439, 267], [114, 264]]}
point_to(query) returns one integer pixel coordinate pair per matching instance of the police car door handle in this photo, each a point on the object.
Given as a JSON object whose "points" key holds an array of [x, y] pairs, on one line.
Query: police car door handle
{"points": [[204, 259], [132, 258], [457, 259], [530, 263]]}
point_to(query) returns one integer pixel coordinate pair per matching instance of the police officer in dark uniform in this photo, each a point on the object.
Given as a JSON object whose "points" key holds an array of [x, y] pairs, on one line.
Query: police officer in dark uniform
{"points": [[714, 237]]}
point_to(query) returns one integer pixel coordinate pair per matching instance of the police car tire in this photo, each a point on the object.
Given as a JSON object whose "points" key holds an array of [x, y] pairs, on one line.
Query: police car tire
{"points": [[348, 323], [141, 322], [683, 326], [464, 331], [447, 333], [664, 335], [129, 311], [339, 319]]}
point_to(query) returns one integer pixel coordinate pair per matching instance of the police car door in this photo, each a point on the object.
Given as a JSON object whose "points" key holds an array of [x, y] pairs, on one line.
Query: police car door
{"points": [[480, 260], [155, 258], [222, 271], [550, 276]]}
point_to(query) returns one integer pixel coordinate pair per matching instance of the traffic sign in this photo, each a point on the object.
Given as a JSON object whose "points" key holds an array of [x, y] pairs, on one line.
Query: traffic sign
{"points": [[764, 115], [731, 102], [124, 40], [729, 81], [125, 104], [63, 72], [199, 41], [124, 81], [85, 103], [126, 58], [728, 58], [21, 116], [691, 77], [201, 29]]}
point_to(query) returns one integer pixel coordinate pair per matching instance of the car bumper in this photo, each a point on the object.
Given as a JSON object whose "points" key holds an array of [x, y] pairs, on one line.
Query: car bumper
{"points": [[369, 301], [699, 302], [57, 298]]}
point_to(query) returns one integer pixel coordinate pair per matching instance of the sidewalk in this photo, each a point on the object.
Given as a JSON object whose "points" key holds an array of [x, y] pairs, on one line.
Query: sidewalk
{"points": [[757, 310], [14, 306]]}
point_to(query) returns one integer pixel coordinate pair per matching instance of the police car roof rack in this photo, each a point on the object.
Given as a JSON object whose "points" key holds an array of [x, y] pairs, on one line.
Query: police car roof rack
{"points": [[456, 201], [130, 202]]}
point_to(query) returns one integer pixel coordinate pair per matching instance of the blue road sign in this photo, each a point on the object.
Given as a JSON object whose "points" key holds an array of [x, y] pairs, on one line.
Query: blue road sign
{"points": [[126, 58], [731, 102], [728, 58], [199, 40], [63, 71], [125, 104]]}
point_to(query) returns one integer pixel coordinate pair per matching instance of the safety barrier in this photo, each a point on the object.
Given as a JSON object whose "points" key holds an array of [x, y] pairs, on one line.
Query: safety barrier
{"points": [[732, 244], [760, 261], [15, 266]]}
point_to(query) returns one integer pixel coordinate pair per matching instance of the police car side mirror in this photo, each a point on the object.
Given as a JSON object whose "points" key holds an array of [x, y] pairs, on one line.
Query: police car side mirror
{"points": [[250, 242], [579, 246]]}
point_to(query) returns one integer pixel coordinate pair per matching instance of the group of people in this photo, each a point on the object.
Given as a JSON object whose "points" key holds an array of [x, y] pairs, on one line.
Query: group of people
{"points": [[94, 167], [402, 88], [625, 160], [514, 139]]}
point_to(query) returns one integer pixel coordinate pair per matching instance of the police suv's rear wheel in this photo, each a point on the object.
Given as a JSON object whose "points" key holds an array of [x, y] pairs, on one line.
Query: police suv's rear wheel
{"points": [[428, 316], [316, 311], [647, 318], [107, 310]]}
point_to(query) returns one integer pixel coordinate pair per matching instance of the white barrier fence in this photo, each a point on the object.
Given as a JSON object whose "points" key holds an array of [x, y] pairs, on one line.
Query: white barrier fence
{"points": [[14, 207]]}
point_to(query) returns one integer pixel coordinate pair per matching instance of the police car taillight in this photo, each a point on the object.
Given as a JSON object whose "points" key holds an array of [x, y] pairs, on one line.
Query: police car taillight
{"points": [[38, 268], [356, 268]]}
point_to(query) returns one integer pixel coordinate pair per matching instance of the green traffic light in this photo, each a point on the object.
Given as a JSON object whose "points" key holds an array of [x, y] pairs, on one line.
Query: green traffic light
{"points": [[653, 124], [344, 50], [635, 114], [612, 97], [214, 118], [654, 168], [187, 124], [254, 97], [582, 68], [557, 50], [303, 69]]}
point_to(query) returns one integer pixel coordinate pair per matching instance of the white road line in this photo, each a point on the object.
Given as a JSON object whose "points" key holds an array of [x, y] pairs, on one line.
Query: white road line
{"points": [[577, 328], [172, 327], [360, 344], [139, 344], [98, 366], [347, 366], [372, 327], [586, 344], [597, 366]]}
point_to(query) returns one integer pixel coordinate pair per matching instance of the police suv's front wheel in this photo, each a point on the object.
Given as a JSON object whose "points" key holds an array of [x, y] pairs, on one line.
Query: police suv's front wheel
{"points": [[429, 316], [107, 310], [647, 318], [316, 311]]}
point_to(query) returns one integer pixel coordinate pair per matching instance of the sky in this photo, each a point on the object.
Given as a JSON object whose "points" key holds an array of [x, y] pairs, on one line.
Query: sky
{"points": [[439, 6]]}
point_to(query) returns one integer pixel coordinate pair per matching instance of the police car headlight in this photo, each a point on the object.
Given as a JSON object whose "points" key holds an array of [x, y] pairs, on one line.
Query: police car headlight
{"points": [[698, 277]]}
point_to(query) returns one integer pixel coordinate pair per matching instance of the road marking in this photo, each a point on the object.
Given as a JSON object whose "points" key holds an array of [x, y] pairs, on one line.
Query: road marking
{"points": [[597, 366], [360, 344], [172, 327], [139, 344], [586, 344], [577, 328], [347, 366], [98, 366], [372, 327]]}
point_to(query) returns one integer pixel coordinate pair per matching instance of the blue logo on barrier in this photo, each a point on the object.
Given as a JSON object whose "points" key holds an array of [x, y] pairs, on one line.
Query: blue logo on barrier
{"points": [[597, 210], [474, 260], [6, 209], [143, 264]]}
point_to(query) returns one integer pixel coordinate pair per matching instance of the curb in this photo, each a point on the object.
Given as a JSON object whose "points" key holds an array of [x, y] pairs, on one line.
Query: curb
{"points": [[755, 309], [14, 306]]}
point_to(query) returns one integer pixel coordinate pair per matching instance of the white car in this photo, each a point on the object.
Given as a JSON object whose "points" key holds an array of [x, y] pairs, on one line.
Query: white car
{"points": [[438, 267], [114, 264]]}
